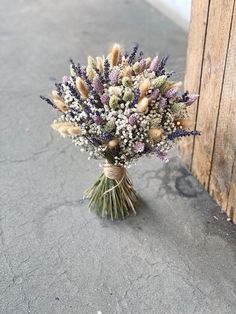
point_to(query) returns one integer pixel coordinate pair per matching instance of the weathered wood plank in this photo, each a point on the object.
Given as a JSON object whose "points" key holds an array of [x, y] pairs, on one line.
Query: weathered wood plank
{"points": [[231, 206], [221, 180], [218, 30], [196, 42]]}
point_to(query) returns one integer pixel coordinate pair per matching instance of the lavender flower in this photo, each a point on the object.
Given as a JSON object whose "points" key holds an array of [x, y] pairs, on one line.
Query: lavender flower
{"points": [[97, 84], [181, 133], [161, 66], [162, 103], [59, 88], [97, 119], [106, 70], [142, 64], [191, 99], [136, 96], [132, 119], [140, 55], [95, 141], [73, 66], [154, 64], [106, 136], [162, 155], [104, 99], [114, 76], [171, 93], [48, 101], [155, 94], [139, 147], [131, 57], [65, 78]]}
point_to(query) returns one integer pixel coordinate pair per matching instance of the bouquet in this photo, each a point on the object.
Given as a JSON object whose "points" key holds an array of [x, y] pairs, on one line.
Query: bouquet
{"points": [[119, 108]]}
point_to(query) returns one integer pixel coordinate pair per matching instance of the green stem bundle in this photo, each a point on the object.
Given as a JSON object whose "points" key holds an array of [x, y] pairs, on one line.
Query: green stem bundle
{"points": [[112, 198]]}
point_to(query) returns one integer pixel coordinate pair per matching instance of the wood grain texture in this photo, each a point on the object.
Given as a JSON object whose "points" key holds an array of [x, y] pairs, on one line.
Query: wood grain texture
{"points": [[231, 205], [223, 175], [218, 31], [196, 42]]}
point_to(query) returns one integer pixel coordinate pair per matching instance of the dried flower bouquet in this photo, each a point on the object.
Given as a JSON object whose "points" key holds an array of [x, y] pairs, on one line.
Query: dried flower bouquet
{"points": [[119, 108]]}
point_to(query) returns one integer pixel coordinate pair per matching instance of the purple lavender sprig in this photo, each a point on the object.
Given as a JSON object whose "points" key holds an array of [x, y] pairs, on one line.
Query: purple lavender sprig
{"points": [[131, 57], [48, 101], [140, 57], [74, 67], [97, 84], [59, 88], [106, 70], [136, 97], [160, 70], [182, 133]]}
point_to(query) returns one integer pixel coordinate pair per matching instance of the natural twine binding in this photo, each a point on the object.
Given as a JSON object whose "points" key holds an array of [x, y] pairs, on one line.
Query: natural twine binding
{"points": [[113, 172]]}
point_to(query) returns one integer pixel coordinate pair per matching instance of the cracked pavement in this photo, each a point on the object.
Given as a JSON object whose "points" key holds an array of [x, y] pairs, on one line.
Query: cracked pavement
{"points": [[176, 256]]}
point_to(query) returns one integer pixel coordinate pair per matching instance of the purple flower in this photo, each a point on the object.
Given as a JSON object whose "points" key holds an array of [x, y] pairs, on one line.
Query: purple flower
{"points": [[171, 93], [97, 84], [162, 156], [106, 136], [154, 64], [83, 69], [97, 119], [132, 119], [104, 99], [131, 57], [136, 96], [181, 133], [139, 147], [162, 103], [191, 99], [142, 64], [106, 70], [65, 78], [155, 94], [114, 76]]}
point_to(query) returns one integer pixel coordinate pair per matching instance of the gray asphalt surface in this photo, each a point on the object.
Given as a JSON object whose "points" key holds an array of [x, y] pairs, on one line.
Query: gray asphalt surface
{"points": [[176, 256]]}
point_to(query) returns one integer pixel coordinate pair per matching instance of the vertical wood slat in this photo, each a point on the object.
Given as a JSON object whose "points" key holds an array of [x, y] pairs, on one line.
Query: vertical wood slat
{"points": [[211, 70], [231, 205], [223, 175], [196, 43], [219, 23]]}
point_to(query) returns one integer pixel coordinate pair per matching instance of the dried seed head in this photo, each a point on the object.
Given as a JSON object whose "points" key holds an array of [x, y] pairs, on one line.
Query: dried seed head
{"points": [[127, 71], [91, 62], [144, 86], [155, 134], [115, 54], [66, 128], [90, 72], [113, 143], [137, 68], [185, 123], [148, 62], [128, 95], [142, 105], [60, 105], [113, 102], [159, 81], [55, 95], [99, 64], [126, 81], [82, 87]]}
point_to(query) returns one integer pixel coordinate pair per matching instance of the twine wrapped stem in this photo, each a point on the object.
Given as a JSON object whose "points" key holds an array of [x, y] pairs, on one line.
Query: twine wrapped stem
{"points": [[112, 196]]}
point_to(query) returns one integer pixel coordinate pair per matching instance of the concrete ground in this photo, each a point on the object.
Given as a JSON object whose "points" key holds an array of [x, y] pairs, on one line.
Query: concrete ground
{"points": [[176, 256]]}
